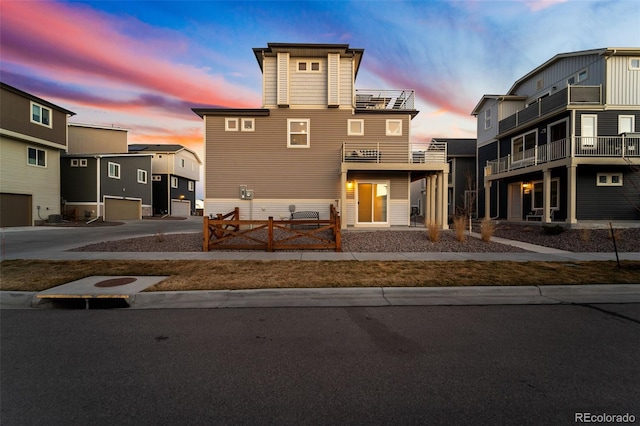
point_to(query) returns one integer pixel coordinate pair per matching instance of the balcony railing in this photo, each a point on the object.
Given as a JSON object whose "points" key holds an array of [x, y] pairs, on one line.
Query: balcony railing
{"points": [[572, 95], [385, 99], [389, 152], [624, 146]]}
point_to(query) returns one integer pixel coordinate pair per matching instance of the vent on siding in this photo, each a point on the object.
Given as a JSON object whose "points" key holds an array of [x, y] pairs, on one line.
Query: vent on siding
{"points": [[283, 79], [333, 82]]}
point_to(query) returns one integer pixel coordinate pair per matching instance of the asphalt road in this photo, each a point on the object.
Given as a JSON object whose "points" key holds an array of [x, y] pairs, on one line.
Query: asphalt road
{"points": [[392, 365]]}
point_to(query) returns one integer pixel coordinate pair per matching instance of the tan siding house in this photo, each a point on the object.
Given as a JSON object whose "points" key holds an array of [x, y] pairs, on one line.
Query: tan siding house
{"points": [[317, 141]]}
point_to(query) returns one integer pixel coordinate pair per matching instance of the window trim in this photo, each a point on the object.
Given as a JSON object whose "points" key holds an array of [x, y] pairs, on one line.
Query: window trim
{"points": [[37, 157], [40, 123], [156, 178], [116, 174], [174, 182], [388, 132], [308, 132], [308, 66], [248, 120], [579, 77], [524, 143], [633, 122], [487, 119], [633, 67], [555, 181], [591, 142], [191, 186], [83, 162], [141, 176], [609, 179], [75, 162], [228, 128], [350, 131]]}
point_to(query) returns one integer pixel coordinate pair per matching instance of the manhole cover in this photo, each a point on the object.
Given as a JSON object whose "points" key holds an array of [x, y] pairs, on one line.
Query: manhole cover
{"points": [[114, 282]]}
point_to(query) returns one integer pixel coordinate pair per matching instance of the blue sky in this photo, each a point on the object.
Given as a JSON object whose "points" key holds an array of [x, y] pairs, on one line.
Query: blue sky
{"points": [[142, 65]]}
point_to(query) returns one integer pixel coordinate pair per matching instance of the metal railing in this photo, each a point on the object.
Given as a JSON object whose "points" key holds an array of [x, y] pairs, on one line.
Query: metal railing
{"points": [[385, 99], [391, 152], [601, 146]]}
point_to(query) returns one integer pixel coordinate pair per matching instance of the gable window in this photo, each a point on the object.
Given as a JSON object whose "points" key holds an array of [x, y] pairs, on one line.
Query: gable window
{"points": [[308, 66], [248, 124], [571, 80], [609, 179], [36, 157], [191, 185], [182, 162], [538, 196], [298, 133], [487, 119], [523, 146], [355, 127], [174, 182], [231, 124], [394, 128], [634, 64], [40, 114], [114, 170], [582, 76], [539, 84], [142, 176], [626, 124]]}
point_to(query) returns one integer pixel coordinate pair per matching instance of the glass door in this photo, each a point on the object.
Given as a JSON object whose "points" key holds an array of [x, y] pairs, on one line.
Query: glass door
{"points": [[372, 202]]}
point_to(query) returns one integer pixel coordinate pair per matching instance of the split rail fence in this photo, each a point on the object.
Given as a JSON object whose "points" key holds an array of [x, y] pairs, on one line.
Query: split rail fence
{"points": [[228, 232]]}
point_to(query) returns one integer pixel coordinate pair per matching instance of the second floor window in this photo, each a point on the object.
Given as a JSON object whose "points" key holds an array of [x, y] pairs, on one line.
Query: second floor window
{"points": [[394, 128], [36, 157], [114, 170], [487, 119], [355, 127], [174, 182], [298, 133], [191, 185], [523, 146], [142, 176], [40, 114]]}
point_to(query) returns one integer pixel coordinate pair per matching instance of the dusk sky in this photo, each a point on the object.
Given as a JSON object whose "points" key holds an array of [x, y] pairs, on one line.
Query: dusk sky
{"points": [[142, 65]]}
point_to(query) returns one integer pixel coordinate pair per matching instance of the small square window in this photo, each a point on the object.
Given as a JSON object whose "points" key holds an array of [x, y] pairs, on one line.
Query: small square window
{"points": [[191, 185], [609, 179], [602, 179], [231, 124], [394, 128], [142, 176], [83, 162], [156, 178], [355, 127], [248, 124], [114, 170], [302, 66], [315, 66], [174, 182], [36, 157], [571, 80], [75, 162], [634, 64]]}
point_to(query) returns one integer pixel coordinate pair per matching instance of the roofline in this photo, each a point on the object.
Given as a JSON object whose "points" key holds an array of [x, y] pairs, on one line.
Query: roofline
{"points": [[35, 98], [476, 109], [95, 126], [242, 112], [166, 151], [107, 155]]}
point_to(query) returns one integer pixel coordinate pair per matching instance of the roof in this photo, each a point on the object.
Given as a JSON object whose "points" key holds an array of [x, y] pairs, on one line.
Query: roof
{"points": [[168, 148], [478, 107], [459, 147], [237, 112], [94, 126], [309, 50], [35, 98]]}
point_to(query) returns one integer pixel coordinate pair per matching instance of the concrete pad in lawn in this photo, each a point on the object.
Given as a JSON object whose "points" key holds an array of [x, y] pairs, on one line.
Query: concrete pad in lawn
{"points": [[99, 286]]}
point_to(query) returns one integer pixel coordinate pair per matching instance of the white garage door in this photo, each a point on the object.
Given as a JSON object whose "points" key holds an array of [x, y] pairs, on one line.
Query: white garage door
{"points": [[115, 209], [180, 208]]}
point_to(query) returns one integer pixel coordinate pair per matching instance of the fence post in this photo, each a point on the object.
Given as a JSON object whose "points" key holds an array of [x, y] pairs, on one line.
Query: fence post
{"points": [[338, 236], [205, 234], [270, 235]]}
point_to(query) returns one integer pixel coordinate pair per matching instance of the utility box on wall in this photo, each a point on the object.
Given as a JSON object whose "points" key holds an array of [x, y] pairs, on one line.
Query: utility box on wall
{"points": [[246, 194]]}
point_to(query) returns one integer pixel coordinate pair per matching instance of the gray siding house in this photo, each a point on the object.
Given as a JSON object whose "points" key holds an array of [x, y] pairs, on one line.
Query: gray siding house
{"points": [[562, 144], [316, 141], [33, 134]]}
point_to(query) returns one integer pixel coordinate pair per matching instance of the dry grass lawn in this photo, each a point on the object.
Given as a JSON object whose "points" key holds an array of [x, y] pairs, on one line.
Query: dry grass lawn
{"points": [[37, 275]]}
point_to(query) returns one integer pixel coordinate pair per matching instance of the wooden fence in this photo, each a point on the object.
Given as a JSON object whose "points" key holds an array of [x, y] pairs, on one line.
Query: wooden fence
{"points": [[228, 232]]}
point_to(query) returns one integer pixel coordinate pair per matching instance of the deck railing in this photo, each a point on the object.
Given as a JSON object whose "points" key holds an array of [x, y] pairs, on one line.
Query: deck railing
{"points": [[602, 146], [385, 99], [389, 152]]}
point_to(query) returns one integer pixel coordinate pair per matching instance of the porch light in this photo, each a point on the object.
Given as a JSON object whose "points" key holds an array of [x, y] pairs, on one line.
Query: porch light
{"points": [[350, 184], [527, 187]]}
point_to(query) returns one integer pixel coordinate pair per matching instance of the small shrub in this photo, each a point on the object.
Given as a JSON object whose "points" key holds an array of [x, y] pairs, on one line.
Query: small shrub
{"points": [[160, 237], [459, 224], [552, 229], [585, 234], [434, 232], [487, 227]]}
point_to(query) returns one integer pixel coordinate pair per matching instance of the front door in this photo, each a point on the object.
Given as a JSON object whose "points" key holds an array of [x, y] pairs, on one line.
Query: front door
{"points": [[515, 202], [372, 203]]}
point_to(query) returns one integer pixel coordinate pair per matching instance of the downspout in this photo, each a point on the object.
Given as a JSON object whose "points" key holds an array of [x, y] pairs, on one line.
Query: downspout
{"points": [[98, 160]]}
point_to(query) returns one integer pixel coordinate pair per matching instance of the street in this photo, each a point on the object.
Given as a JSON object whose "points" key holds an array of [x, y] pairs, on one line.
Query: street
{"points": [[388, 365]]}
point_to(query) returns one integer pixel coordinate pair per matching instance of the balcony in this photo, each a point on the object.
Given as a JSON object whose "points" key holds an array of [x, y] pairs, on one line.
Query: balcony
{"points": [[395, 100], [625, 147], [572, 95], [389, 152]]}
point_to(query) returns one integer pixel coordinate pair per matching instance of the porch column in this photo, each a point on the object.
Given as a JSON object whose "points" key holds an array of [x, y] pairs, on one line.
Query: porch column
{"points": [[426, 197], [444, 198], [432, 199], [438, 205], [571, 194], [487, 200], [343, 200], [546, 194]]}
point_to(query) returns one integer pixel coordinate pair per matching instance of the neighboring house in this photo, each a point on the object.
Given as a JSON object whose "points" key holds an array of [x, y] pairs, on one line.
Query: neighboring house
{"points": [[318, 141], [33, 134], [175, 171], [461, 193], [563, 143], [99, 178]]}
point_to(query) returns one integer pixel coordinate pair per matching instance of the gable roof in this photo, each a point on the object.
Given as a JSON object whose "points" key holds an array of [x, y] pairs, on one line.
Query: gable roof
{"points": [[168, 148], [34, 98]]}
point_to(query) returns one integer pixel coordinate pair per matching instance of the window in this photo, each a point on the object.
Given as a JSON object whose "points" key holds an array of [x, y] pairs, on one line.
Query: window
{"points": [[83, 162], [589, 130], [539, 84], [571, 80], [114, 170], [538, 195], [75, 162], [626, 124], [634, 64], [298, 133], [231, 124], [36, 157], [142, 176], [582, 76], [40, 115], [355, 127], [308, 66], [522, 147], [394, 127], [487, 119], [248, 124], [609, 179], [182, 163], [156, 178], [191, 185], [174, 182]]}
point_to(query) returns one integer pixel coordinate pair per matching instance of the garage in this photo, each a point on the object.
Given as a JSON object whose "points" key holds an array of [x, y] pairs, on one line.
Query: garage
{"points": [[119, 209], [180, 208], [15, 210]]}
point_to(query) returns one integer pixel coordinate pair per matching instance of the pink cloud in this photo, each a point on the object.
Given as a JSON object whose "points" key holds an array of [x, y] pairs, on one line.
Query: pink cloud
{"points": [[68, 41], [538, 5]]}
